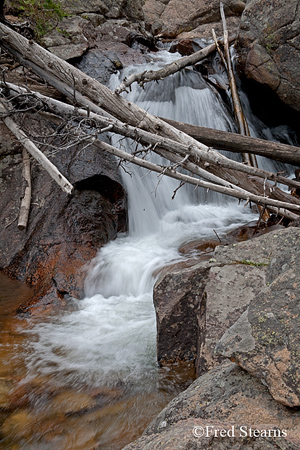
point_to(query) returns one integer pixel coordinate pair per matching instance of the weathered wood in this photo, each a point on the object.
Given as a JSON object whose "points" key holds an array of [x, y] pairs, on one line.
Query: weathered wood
{"points": [[52, 170], [26, 200], [236, 143], [235, 98], [157, 142], [166, 170], [169, 69], [62, 75]]}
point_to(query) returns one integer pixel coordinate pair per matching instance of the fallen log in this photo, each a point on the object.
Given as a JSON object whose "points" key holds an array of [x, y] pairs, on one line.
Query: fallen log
{"points": [[236, 143], [169, 69], [278, 206], [52, 170], [144, 137], [71, 80]]}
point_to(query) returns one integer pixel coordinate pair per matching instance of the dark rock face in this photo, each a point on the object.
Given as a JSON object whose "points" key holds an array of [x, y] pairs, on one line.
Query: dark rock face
{"points": [[225, 398], [179, 309], [269, 39], [64, 233]]}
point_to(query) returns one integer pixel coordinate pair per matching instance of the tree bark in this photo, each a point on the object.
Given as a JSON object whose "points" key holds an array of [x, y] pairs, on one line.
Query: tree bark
{"points": [[236, 143]]}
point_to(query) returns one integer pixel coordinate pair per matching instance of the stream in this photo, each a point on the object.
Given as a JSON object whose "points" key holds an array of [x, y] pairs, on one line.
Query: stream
{"points": [[91, 372]]}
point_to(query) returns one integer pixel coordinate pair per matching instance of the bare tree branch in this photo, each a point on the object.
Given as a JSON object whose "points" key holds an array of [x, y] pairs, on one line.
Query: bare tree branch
{"points": [[65, 185], [25, 203], [175, 66]]}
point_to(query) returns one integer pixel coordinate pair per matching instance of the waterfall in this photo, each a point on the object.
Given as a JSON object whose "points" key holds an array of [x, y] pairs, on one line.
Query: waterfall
{"points": [[110, 336]]}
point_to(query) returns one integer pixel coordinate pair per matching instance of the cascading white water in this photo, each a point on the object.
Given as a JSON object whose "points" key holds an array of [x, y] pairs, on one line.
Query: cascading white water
{"points": [[110, 337]]}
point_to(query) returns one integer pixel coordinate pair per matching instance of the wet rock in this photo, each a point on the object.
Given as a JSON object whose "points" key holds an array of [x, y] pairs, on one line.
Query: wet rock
{"points": [[179, 307], [265, 339], [269, 40], [112, 52], [171, 17], [224, 398], [63, 233]]}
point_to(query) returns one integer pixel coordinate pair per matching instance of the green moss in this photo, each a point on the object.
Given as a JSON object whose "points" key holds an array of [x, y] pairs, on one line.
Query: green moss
{"points": [[44, 15], [247, 262], [268, 39]]}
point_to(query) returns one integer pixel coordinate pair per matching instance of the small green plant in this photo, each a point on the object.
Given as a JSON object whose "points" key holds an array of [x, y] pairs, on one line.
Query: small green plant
{"points": [[247, 262], [43, 14], [269, 39]]}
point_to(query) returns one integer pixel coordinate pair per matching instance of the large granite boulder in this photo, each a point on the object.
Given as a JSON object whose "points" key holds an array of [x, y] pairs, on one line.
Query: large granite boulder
{"points": [[226, 408], [265, 339], [171, 17], [64, 232], [269, 42], [197, 305]]}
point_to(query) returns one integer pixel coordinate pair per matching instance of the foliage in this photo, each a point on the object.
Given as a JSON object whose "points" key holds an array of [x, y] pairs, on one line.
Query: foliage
{"points": [[43, 14]]}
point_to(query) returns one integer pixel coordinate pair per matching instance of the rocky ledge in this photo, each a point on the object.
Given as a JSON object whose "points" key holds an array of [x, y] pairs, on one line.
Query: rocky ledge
{"points": [[241, 305]]}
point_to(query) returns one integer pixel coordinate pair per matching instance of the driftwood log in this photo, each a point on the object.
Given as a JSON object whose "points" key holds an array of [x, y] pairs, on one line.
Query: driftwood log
{"points": [[236, 143], [169, 69], [26, 200]]}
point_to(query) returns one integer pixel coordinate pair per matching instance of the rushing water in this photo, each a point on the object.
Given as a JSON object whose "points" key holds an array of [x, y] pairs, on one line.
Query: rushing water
{"points": [[108, 339], [111, 335]]}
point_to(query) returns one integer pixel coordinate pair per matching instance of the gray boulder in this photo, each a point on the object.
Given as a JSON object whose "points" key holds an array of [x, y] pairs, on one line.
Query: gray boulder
{"points": [[172, 17], [250, 288], [225, 408], [265, 339], [269, 39]]}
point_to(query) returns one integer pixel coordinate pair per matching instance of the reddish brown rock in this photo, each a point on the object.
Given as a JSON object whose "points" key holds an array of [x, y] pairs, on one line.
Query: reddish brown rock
{"points": [[171, 17]]}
